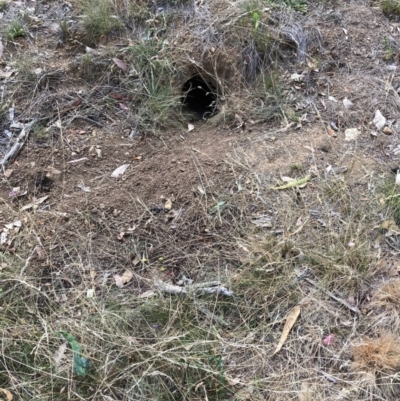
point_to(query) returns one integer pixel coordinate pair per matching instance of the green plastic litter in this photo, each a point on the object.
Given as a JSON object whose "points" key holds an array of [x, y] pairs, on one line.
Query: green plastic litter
{"points": [[81, 364]]}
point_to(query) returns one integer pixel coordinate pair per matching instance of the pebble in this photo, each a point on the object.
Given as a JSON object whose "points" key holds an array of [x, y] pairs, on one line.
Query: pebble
{"points": [[387, 131]]}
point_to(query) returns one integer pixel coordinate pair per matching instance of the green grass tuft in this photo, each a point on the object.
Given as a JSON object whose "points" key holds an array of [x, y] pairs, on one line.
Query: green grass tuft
{"points": [[15, 30], [99, 19], [390, 7]]}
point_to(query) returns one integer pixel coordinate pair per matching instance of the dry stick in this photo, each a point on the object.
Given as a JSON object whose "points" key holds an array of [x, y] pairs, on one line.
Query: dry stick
{"points": [[62, 131], [18, 145], [340, 300], [320, 118], [89, 120]]}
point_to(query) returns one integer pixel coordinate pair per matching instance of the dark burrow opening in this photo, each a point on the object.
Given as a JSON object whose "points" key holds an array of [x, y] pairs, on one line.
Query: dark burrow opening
{"points": [[199, 97]]}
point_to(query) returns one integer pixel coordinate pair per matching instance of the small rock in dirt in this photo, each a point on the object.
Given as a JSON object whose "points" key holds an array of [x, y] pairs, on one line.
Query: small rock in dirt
{"points": [[348, 104], [351, 134], [398, 178], [327, 341], [8, 173], [387, 131], [334, 126], [168, 204], [379, 120]]}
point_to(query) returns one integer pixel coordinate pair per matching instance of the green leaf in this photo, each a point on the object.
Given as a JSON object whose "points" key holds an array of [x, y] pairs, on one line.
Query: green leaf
{"points": [[218, 207], [296, 183], [256, 20]]}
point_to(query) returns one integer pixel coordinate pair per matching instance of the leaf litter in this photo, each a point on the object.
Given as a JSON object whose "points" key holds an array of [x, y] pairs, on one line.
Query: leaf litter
{"points": [[121, 280], [119, 171], [7, 394], [291, 319]]}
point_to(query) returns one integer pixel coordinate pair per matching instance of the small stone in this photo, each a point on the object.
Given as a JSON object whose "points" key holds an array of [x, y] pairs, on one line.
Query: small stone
{"points": [[8, 173], [351, 134], [387, 131]]}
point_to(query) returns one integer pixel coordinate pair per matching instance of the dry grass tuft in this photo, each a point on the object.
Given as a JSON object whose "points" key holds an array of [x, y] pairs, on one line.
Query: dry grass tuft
{"points": [[380, 354], [388, 295]]}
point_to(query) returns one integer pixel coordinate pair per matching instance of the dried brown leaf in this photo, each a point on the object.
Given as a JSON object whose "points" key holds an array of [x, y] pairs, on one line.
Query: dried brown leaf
{"points": [[120, 63], [118, 280], [8, 395], [59, 354], [125, 278], [290, 321], [6, 74]]}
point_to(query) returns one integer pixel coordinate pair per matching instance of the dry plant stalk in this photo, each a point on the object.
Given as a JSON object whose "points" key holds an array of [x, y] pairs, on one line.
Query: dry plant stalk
{"points": [[381, 354]]}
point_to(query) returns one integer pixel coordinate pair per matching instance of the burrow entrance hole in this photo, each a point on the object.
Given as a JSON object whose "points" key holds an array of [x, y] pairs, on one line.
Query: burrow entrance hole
{"points": [[199, 97]]}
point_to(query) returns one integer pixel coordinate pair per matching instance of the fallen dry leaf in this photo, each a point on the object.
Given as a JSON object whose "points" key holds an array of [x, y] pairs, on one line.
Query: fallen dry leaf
{"points": [[290, 321], [59, 354], [390, 227], [120, 63], [35, 203], [125, 278], [119, 171], [118, 96], [118, 280], [331, 132], [6, 74], [190, 127], [8, 395]]}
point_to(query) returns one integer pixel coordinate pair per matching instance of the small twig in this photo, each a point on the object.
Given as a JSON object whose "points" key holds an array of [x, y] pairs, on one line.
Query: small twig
{"points": [[333, 296], [325, 124], [18, 145], [89, 120], [198, 289]]}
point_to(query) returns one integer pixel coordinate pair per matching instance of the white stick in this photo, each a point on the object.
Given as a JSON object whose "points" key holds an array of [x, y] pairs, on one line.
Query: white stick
{"points": [[15, 149]]}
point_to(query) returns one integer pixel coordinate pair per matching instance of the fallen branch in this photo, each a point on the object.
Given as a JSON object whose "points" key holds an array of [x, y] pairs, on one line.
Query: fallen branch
{"points": [[87, 119], [18, 145], [203, 288]]}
